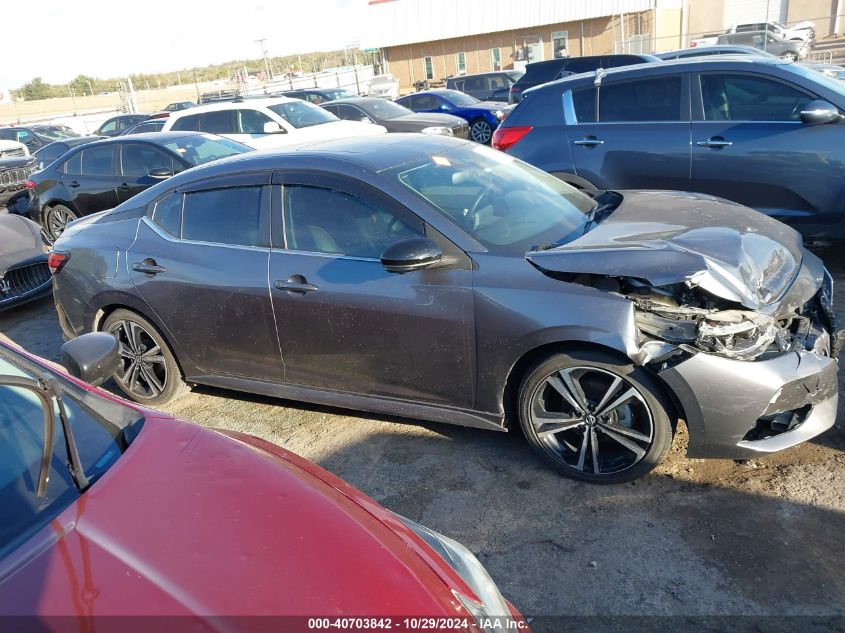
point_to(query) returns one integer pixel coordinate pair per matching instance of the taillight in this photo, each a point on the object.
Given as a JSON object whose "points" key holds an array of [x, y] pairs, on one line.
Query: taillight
{"points": [[693, 44], [56, 261], [505, 137], [30, 184]]}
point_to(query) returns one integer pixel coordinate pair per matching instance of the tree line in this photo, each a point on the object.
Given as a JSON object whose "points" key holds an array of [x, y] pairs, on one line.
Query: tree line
{"points": [[83, 85]]}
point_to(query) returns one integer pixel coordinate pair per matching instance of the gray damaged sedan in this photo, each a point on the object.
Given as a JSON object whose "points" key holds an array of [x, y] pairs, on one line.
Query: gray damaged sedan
{"points": [[433, 279]]}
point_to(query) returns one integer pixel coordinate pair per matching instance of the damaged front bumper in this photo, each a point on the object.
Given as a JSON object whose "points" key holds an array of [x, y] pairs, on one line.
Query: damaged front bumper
{"points": [[736, 409]]}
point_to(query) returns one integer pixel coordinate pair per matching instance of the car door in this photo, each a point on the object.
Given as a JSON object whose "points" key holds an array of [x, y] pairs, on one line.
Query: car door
{"points": [[92, 177], [750, 146], [347, 324], [222, 123], [637, 138], [138, 161], [200, 262], [32, 142]]}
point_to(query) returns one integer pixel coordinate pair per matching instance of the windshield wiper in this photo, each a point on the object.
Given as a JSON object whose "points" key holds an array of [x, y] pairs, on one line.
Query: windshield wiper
{"points": [[605, 204], [49, 391]]}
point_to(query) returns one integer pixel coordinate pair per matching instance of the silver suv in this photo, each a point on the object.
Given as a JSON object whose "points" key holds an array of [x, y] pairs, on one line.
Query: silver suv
{"points": [[767, 41]]}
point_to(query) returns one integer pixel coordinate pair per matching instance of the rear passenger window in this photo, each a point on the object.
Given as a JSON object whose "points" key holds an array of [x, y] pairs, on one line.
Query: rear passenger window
{"points": [[99, 161], [168, 214], [220, 122], [73, 165], [187, 124], [657, 99], [224, 216], [748, 98], [585, 104]]}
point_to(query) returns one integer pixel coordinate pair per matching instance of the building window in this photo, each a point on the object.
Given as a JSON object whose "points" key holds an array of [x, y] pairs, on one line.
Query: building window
{"points": [[497, 59], [559, 42], [462, 63], [428, 65]]}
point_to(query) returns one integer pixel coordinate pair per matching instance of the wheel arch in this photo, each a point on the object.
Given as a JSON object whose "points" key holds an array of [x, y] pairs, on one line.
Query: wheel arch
{"points": [[510, 395], [125, 303]]}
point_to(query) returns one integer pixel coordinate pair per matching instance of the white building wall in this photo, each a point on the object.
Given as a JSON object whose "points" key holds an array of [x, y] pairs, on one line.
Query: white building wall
{"points": [[740, 11], [396, 22]]}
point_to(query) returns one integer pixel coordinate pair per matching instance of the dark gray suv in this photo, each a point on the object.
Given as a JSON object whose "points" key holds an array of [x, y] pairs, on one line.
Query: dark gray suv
{"points": [[762, 132]]}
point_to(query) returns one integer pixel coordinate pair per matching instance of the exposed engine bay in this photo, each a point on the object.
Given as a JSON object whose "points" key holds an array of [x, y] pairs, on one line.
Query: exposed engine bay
{"points": [[687, 316]]}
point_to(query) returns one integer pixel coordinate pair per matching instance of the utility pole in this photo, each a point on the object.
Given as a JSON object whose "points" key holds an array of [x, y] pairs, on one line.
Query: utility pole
{"points": [[260, 42], [90, 89]]}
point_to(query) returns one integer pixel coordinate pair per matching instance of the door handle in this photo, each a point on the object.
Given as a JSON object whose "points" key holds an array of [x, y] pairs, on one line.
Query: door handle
{"points": [[148, 266], [295, 284], [73, 183], [715, 142], [590, 141]]}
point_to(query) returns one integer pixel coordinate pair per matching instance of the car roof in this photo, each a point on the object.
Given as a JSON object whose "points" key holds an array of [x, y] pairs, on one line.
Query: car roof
{"points": [[718, 47], [491, 72], [375, 153], [354, 100], [687, 64], [231, 104]]}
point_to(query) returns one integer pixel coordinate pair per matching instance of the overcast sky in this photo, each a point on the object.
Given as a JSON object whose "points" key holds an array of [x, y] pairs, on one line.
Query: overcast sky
{"points": [[59, 39]]}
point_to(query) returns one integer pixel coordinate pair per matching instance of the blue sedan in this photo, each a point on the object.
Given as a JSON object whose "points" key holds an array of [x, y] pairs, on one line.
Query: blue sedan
{"points": [[483, 116]]}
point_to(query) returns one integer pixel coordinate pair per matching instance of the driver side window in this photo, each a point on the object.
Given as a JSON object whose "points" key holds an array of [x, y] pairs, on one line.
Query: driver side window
{"points": [[747, 98], [329, 221]]}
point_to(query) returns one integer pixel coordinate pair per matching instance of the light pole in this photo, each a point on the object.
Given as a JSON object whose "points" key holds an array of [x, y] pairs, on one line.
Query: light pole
{"points": [[260, 42]]}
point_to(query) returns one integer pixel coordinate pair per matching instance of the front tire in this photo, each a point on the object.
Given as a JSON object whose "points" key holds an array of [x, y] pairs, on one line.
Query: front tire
{"points": [[593, 418], [148, 372], [793, 57], [480, 131], [56, 218]]}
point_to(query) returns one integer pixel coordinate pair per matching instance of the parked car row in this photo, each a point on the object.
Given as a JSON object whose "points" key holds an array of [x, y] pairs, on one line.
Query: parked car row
{"points": [[790, 42]]}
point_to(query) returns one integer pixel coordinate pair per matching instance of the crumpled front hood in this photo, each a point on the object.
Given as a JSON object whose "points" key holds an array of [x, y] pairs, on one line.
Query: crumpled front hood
{"points": [[664, 237]]}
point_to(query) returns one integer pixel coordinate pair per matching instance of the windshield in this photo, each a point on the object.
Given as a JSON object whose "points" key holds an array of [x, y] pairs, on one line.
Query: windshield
{"points": [[303, 114], [198, 149], [505, 204], [516, 75], [100, 443], [458, 98], [55, 133], [383, 109]]}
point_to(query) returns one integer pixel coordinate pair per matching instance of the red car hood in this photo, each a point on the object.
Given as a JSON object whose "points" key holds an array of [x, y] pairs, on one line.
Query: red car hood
{"points": [[189, 521]]}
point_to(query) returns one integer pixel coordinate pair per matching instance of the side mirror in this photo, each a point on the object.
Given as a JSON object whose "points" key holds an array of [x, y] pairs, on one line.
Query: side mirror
{"points": [[445, 108], [414, 253], [818, 111], [161, 173], [91, 357], [366, 119], [272, 127]]}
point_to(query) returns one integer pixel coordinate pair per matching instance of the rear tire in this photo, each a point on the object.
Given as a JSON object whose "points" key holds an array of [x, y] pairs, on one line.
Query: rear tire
{"points": [[56, 218], [148, 373], [481, 132], [594, 418]]}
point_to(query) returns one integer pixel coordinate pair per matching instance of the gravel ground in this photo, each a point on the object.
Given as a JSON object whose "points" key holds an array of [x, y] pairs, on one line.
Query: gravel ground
{"points": [[695, 538]]}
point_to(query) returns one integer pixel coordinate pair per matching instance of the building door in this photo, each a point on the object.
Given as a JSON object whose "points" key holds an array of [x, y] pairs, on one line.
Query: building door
{"points": [[527, 49]]}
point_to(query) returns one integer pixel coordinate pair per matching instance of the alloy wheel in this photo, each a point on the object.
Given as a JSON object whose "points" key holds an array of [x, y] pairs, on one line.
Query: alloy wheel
{"points": [[143, 370], [591, 420], [481, 132], [57, 218]]}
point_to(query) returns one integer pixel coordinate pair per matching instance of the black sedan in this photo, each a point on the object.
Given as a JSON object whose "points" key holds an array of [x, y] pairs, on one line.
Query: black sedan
{"points": [[37, 136], [397, 118], [318, 95], [116, 124], [101, 175], [438, 279]]}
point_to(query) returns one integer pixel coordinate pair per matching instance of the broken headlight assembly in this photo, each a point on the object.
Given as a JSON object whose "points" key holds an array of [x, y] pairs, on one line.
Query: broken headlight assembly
{"points": [[680, 317]]}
